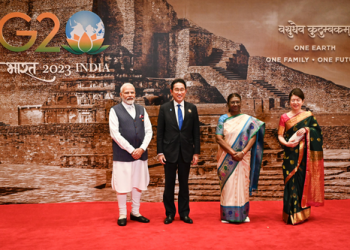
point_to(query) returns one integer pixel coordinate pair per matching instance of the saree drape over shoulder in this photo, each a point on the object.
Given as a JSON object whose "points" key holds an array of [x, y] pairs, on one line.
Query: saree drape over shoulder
{"points": [[303, 168], [239, 178]]}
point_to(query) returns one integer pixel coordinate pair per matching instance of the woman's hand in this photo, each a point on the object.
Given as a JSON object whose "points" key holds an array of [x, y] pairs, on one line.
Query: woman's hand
{"points": [[301, 131], [291, 144], [232, 153], [238, 156]]}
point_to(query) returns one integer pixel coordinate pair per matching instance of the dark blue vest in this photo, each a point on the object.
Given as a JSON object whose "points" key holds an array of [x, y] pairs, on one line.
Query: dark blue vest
{"points": [[132, 130]]}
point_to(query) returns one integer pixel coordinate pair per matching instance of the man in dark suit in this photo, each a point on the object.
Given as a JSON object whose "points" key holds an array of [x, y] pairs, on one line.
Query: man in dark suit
{"points": [[177, 145]]}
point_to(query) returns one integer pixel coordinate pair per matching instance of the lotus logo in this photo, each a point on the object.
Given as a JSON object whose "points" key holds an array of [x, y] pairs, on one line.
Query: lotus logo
{"points": [[85, 31]]}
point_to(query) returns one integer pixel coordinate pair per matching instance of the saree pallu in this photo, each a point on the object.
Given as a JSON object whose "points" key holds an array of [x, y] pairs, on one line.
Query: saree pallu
{"points": [[239, 178], [303, 169]]}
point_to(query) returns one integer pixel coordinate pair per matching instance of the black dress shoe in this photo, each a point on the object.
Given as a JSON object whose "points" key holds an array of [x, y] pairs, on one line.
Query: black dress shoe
{"points": [[139, 218], [186, 219], [122, 222], [169, 219]]}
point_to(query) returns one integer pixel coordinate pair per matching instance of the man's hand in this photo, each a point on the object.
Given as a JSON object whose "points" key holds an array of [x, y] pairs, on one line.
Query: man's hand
{"points": [[137, 153], [195, 159], [161, 159]]}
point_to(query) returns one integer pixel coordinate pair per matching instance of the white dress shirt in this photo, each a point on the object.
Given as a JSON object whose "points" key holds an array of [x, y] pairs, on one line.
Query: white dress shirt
{"points": [[119, 139]]}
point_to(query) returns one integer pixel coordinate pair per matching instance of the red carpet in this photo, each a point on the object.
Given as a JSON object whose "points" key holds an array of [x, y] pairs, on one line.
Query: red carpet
{"points": [[94, 226]]}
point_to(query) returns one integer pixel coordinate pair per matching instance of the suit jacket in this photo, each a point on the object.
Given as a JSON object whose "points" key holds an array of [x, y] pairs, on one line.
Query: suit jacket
{"points": [[169, 137]]}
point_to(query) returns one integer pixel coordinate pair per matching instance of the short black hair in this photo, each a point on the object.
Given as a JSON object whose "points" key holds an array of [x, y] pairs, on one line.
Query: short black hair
{"points": [[179, 80], [233, 95], [297, 92]]}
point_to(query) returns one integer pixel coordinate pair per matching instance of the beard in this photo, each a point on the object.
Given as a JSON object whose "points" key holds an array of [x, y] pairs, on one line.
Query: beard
{"points": [[130, 101]]}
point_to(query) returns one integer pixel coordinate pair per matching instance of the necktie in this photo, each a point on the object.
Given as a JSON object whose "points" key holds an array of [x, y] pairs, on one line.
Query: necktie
{"points": [[179, 116]]}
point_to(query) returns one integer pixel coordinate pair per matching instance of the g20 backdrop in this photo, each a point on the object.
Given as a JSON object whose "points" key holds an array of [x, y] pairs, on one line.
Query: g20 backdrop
{"points": [[63, 62]]}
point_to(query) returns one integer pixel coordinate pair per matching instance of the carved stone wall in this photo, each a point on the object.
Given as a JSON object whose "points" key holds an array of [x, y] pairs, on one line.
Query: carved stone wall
{"points": [[320, 94], [183, 53], [200, 47], [30, 115], [51, 144], [150, 17]]}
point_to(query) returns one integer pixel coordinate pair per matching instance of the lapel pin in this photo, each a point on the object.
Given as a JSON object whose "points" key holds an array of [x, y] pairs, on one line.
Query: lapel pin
{"points": [[171, 109], [189, 111]]}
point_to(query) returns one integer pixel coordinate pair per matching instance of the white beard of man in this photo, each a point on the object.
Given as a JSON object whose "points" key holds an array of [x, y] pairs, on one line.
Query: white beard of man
{"points": [[129, 102]]}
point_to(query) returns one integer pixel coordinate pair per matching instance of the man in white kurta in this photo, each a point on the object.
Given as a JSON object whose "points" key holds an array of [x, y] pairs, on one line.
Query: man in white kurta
{"points": [[129, 176]]}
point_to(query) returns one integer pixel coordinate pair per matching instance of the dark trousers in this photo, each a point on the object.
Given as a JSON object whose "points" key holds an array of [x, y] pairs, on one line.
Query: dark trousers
{"points": [[184, 195]]}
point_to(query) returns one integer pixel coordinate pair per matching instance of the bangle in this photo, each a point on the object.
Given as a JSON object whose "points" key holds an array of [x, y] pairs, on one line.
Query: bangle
{"points": [[243, 152]]}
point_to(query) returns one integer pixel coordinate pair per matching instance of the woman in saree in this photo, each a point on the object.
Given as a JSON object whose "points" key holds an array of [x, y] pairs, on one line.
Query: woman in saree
{"points": [[303, 168], [240, 138]]}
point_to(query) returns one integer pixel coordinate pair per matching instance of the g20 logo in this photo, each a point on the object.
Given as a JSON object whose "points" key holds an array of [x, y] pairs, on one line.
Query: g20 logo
{"points": [[84, 30]]}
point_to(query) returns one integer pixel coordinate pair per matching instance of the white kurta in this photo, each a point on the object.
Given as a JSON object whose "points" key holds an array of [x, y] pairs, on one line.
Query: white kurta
{"points": [[127, 175]]}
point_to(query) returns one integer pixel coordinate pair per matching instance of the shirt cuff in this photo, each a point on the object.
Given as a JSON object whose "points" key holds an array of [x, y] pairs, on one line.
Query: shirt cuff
{"points": [[130, 149]]}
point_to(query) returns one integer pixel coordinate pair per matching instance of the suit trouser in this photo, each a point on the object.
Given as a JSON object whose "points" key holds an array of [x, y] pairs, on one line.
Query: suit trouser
{"points": [[184, 195]]}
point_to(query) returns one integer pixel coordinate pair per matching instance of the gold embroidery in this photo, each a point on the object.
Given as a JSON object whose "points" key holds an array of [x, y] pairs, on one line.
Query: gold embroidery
{"points": [[318, 139], [316, 155], [301, 216], [296, 151], [314, 181], [301, 154], [312, 139], [295, 129], [315, 124], [291, 162], [287, 172], [297, 217], [305, 122], [301, 150], [281, 130], [284, 167], [296, 119]]}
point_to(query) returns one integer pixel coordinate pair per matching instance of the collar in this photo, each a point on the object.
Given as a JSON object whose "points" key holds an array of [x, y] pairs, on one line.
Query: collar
{"points": [[128, 106], [182, 103]]}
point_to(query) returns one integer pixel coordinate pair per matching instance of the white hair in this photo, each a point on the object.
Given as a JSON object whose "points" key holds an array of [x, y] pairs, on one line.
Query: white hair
{"points": [[124, 85]]}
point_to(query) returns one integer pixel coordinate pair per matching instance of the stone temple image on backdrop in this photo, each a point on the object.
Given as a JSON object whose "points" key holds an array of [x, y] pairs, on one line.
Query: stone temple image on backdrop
{"points": [[54, 138]]}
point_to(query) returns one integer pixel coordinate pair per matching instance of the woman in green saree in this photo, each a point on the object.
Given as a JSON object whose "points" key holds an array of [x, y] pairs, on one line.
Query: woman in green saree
{"points": [[240, 138], [303, 167]]}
